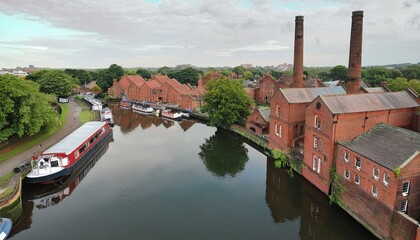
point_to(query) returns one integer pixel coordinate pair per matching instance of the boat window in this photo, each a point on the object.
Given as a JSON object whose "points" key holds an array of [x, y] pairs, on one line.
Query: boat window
{"points": [[91, 140], [54, 163]]}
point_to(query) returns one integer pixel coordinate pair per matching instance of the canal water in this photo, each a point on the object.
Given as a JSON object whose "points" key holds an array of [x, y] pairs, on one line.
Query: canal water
{"points": [[159, 179]]}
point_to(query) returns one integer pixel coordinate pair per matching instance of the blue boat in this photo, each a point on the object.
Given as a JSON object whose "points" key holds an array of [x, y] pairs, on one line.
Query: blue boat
{"points": [[5, 227]]}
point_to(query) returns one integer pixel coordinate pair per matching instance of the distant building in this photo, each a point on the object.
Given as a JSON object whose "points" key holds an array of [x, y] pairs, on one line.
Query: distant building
{"points": [[258, 120]]}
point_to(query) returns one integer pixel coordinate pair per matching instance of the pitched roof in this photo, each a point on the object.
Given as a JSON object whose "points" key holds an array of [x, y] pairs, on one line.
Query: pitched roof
{"points": [[265, 113], [374, 89], [352, 103], [153, 83], [305, 95], [137, 80], [124, 83], [386, 145], [160, 78]]}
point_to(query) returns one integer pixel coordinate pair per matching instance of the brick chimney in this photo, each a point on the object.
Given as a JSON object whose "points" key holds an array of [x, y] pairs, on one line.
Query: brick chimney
{"points": [[298, 58], [354, 76]]}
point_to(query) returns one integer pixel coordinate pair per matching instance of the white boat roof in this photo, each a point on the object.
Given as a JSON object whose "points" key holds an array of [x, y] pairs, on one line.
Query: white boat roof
{"points": [[74, 139]]}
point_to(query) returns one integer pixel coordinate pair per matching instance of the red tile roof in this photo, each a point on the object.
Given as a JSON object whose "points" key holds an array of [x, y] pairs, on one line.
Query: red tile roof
{"points": [[153, 83], [137, 80]]}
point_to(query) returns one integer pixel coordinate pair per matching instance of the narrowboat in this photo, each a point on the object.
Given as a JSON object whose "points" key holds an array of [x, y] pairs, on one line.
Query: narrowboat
{"points": [[70, 153], [142, 109], [125, 104], [5, 227], [171, 115], [106, 116]]}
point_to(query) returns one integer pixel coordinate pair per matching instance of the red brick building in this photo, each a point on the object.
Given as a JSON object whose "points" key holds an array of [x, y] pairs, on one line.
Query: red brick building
{"points": [[119, 87], [381, 167], [258, 120], [334, 118], [267, 87], [137, 90], [288, 113]]}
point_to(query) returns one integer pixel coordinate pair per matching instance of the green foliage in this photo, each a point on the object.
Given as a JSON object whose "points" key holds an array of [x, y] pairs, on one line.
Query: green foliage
{"points": [[226, 102], [187, 75], [130, 72], [337, 187], [96, 89], [397, 172], [248, 75], [164, 70], [339, 72], [35, 76], [276, 74], [239, 70], [56, 82], [283, 160], [144, 73], [82, 75], [398, 84], [23, 109], [104, 79], [375, 75], [411, 72], [115, 71]]}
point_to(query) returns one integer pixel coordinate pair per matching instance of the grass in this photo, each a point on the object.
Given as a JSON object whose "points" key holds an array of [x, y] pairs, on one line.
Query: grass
{"points": [[38, 138], [5, 179], [86, 114], [6, 192]]}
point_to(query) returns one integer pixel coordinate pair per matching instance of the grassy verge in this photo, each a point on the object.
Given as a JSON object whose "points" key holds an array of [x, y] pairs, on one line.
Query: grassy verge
{"points": [[5, 179], [38, 138], [86, 114]]}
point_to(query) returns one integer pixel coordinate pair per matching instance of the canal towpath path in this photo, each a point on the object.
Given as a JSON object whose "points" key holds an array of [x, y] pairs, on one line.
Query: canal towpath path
{"points": [[72, 123]]}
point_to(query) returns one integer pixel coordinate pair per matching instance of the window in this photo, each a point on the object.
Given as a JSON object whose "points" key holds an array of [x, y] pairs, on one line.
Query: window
{"points": [[280, 130], [317, 123], [316, 164], [277, 129], [386, 179], [346, 156], [374, 190], [376, 173], [347, 174], [278, 110], [257, 120], [357, 179], [358, 163], [403, 206], [315, 142], [406, 188]]}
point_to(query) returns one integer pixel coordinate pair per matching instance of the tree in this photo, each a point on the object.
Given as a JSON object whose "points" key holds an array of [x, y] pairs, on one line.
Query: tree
{"points": [[115, 71], [398, 84], [223, 154], [276, 74], [104, 79], [56, 82], [239, 70], [415, 85], [144, 73], [339, 72], [164, 70], [248, 75], [375, 75], [82, 75], [35, 76], [411, 72], [226, 102], [187, 75], [23, 109]]}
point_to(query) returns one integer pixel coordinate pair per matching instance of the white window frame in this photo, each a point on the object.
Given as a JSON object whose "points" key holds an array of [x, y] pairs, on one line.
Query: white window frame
{"points": [[346, 156], [276, 130], [358, 177], [347, 173], [278, 110], [407, 183], [404, 206], [386, 179], [376, 176], [316, 164], [316, 142], [280, 130], [374, 193], [317, 123], [360, 162]]}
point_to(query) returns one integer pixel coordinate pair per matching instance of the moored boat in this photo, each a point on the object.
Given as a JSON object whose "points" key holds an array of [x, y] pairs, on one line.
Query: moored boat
{"points": [[142, 109], [5, 227], [125, 104], [69, 154], [106, 116], [171, 115]]}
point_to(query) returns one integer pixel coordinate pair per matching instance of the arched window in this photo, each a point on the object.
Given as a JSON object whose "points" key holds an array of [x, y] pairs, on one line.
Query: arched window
{"points": [[376, 173], [346, 156], [357, 179], [386, 179], [276, 130], [358, 163], [374, 190], [317, 123], [278, 110], [347, 174]]}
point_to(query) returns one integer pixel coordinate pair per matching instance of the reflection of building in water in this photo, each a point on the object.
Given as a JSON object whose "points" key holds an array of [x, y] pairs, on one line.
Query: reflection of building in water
{"points": [[186, 124], [168, 123], [44, 196], [291, 198]]}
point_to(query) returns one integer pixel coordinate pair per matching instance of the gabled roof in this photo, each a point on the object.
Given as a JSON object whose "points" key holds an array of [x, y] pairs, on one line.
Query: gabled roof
{"points": [[160, 78], [352, 103], [305, 95], [265, 113], [124, 83], [386, 145], [137, 80], [153, 83]]}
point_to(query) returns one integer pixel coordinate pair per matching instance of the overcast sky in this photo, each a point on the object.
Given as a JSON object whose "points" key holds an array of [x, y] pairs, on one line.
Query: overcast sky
{"points": [[155, 33]]}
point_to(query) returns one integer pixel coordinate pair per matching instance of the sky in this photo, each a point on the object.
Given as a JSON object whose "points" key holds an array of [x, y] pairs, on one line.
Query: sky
{"points": [[204, 33]]}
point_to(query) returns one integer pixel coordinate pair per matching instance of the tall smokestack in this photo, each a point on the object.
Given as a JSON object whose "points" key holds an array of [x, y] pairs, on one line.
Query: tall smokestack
{"points": [[354, 76], [298, 58]]}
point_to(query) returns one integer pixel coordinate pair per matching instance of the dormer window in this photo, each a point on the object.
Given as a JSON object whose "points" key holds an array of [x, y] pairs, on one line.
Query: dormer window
{"points": [[376, 173], [317, 123]]}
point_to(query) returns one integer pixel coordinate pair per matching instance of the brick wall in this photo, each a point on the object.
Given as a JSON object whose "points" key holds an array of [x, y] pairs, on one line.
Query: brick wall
{"points": [[411, 173], [403, 227]]}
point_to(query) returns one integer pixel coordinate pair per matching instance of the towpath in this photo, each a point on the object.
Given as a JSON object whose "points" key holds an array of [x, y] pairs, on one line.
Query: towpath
{"points": [[72, 124]]}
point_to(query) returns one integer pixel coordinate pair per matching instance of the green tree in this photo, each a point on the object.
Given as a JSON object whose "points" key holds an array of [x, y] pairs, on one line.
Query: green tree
{"points": [[56, 82], [226, 102], [338, 72], [411, 72], [248, 75], [104, 79], [398, 84], [23, 109], [415, 85], [375, 75], [130, 72], [82, 75], [35, 76], [188, 75], [276, 74], [239, 70], [164, 70], [115, 71], [144, 73]]}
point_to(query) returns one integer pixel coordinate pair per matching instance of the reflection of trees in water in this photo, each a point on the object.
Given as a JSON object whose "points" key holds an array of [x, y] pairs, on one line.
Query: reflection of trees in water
{"points": [[224, 154]]}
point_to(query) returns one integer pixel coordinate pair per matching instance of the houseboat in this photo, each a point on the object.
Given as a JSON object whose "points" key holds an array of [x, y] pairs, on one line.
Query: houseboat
{"points": [[70, 153], [5, 227], [144, 109], [125, 104], [106, 116], [171, 115]]}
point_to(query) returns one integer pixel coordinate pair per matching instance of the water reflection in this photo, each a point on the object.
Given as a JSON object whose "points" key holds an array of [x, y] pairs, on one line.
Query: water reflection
{"points": [[293, 198], [224, 154], [45, 196]]}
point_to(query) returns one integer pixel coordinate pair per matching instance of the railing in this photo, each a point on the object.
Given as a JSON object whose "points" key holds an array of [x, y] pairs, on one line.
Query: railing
{"points": [[255, 138]]}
